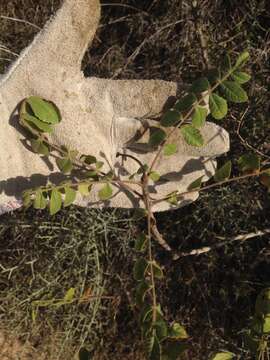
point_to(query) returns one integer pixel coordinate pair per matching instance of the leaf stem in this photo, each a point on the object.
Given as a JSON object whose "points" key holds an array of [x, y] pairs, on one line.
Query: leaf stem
{"points": [[228, 181]]}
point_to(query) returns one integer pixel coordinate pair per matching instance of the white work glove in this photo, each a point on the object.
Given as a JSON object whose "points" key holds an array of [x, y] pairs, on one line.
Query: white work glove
{"points": [[98, 116]]}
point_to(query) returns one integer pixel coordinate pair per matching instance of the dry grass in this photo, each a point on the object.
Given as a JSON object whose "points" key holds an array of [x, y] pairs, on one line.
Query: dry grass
{"points": [[213, 295]]}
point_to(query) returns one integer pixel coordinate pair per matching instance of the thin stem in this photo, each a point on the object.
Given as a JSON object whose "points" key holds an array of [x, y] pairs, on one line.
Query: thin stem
{"points": [[237, 178], [148, 206]]}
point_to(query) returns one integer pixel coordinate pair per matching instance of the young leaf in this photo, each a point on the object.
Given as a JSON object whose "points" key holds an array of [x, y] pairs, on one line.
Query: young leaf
{"points": [[249, 162], [196, 184], [65, 165], [224, 172], [157, 137], [70, 196], [177, 332], [141, 242], [192, 135], [170, 149], [40, 201], [218, 106], [170, 118], [158, 272], [42, 126], [185, 103], [55, 201], [240, 77], [139, 269], [69, 296], [106, 192], [84, 189], [222, 356], [154, 176], [234, 92], [39, 147], [200, 85], [242, 59], [199, 117], [44, 110]]}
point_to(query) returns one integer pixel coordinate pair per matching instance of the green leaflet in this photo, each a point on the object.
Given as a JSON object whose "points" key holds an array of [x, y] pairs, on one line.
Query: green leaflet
{"points": [[157, 137], [249, 162], [39, 147], [218, 106], [222, 356], [224, 172], [106, 192], [196, 184], [242, 59], [154, 176], [199, 117], [192, 135], [39, 201], [55, 202], [170, 149], [185, 103], [233, 92], [40, 125], [139, 269], [178, 332], [65, 165], [70, 196], [84, 189], [44, 110], [240, 77], [200, 85], [170, 118]]}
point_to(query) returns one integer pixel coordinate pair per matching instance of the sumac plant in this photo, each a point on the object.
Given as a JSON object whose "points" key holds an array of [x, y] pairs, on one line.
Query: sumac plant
{"points": [[221, 86]]}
